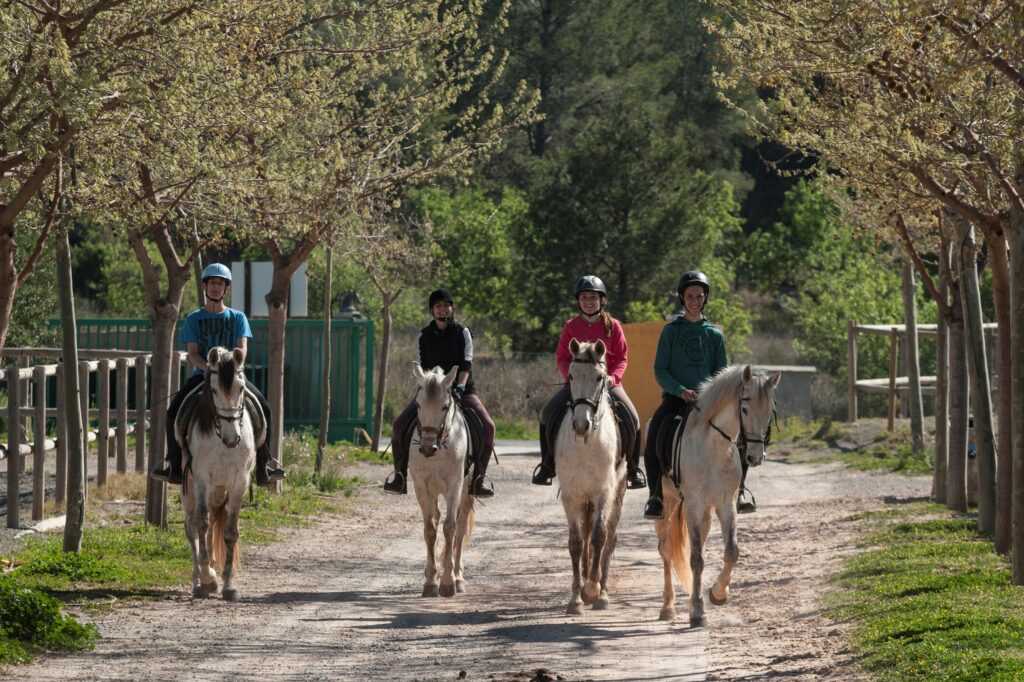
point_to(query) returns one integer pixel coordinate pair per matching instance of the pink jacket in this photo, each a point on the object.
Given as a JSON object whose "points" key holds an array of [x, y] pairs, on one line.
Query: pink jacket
{"points": [[578, 328]]}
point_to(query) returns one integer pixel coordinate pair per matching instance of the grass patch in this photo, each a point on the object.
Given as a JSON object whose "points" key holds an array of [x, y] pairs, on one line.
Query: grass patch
{"points": [[931, 599], [514, 430], [31, 621], [824, 440]]}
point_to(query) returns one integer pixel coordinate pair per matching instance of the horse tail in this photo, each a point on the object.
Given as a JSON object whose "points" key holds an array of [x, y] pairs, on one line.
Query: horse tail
{"points": [[470, 522], [678, 537]]}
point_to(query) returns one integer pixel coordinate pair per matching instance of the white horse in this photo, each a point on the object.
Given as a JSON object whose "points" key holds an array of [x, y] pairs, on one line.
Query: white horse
{"points": [[592, 476], [438, 469], [732, 419], [222, 441]]}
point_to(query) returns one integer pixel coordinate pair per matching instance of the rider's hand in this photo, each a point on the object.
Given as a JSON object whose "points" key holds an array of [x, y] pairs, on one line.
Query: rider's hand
{"points": [[458, 390], [689, 395]]}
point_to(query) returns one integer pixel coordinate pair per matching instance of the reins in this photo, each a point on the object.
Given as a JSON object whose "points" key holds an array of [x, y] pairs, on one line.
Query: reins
{"points": [[741, 440]]}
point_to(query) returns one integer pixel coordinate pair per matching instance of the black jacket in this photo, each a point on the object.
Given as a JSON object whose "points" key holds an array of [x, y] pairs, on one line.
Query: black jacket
{"points": [[447, 348]]}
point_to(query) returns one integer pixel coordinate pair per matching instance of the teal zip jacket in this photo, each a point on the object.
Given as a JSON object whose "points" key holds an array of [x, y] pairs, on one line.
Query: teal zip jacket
{"points": [[688, 354]]}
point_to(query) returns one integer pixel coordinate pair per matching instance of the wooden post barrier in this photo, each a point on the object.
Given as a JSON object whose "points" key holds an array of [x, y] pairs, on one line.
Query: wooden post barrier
{"points": [[13, 448], [83, 401], [23, 392], [851, 349], [140, 412], [62, 442], [39, 442], [893, 343], [103, 428], [122, 415]]}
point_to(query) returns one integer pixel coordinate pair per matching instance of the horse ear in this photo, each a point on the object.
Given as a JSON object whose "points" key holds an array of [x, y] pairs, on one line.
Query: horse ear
{"points": [[600, 349], [775, 379], [747, 374], [238, 357], [417, 371], [574, 346], [213, 357], [449, 378]]}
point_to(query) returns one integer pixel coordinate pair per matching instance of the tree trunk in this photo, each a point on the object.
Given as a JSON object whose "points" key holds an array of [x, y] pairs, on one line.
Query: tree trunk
{"points": [[382, 369], [325, 387], [941, 399], [75, 505], [8, 281], [163, 322], [913, 358], [277, 304], [1004, 444], [956, 457], [981, 398], [1016, 383]]}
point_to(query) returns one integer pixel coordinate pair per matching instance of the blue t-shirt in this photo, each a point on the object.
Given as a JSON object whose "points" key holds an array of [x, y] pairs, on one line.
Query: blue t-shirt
{"points": [[207, 330]]}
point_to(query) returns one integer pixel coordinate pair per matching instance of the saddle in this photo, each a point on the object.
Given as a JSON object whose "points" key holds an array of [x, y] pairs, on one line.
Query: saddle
{"points": [[476, 434], [187, 417], [627, 431], [665, 446]]}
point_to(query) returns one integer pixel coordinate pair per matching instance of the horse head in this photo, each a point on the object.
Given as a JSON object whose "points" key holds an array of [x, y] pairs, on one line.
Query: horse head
{"points": [[757, 408], [434, 404], [225, 388], [588, 384]]}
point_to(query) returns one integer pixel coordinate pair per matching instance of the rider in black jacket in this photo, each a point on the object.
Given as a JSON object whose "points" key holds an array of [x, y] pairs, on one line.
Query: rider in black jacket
{"points": [[445, 343]]}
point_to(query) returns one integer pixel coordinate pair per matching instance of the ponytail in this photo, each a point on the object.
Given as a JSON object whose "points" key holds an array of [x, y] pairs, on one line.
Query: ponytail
{"points": [[608, 319]]}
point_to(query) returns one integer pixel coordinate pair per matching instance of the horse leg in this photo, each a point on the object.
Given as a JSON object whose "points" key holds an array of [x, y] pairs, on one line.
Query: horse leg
{"points": [[719, 593], [188, 504], [612, 529], [698, 532], [668, 592], [207, 576], [430, 517], [461, 536], [598, 537], [230, 545], [575, 607], [451, 517]]}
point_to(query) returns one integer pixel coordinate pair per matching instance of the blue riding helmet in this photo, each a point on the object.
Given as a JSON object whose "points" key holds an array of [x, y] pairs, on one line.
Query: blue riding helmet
{"points": [[217, 270]]}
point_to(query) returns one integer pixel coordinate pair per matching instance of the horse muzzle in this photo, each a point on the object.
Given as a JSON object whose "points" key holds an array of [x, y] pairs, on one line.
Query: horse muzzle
{"points": [[428, 449], [755, 458]]}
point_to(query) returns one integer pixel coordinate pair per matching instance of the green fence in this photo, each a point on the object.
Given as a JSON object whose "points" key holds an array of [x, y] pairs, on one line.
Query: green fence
{"points": [[351, 365]]}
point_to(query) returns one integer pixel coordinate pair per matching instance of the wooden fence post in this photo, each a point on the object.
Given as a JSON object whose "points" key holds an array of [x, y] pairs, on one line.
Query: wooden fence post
{"points": [[893, 343], [83, 401], [103, 429], [62, 441], [121, 396], [23, 362], [140, 413], [13, 448], [851, 349], [39, 442]]}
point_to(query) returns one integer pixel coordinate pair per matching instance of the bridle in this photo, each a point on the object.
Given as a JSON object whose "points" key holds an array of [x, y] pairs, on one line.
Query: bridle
{"points": [[439, 433], [595, 403], [741, 440], [233, 415]]}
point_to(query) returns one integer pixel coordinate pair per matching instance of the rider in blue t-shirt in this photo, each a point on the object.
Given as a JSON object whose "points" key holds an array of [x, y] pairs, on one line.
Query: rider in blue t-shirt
{"points": [[215, 325]]}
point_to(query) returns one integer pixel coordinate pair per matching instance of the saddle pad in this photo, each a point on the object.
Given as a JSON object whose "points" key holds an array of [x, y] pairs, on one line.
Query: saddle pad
{"points": [[187, 416], [670, 431]]}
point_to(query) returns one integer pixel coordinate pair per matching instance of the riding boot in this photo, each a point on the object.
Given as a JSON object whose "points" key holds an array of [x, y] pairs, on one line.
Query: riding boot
{"points": [[545, 471], [396, 483], [745, 502], [481, 486], [634, 476], [268, 469], [654, 509], [171, 473]]}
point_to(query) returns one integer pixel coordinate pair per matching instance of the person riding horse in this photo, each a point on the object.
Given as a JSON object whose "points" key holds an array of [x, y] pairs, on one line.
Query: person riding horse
{"points": [[593, 323], [690, 351], [444, 343], [213, 325]]}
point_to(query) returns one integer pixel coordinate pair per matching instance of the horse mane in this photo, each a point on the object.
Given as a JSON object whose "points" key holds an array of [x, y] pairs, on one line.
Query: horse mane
{"points": [[723, 389]]}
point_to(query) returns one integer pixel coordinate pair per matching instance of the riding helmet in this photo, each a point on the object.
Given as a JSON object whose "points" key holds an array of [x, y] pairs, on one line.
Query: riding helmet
{"points": [[217, 270], [695, 277], [440, 295], [590, 283]]}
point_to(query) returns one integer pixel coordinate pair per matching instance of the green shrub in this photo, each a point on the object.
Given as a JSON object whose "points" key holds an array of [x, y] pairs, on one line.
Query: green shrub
{"points": [[31, 620]]}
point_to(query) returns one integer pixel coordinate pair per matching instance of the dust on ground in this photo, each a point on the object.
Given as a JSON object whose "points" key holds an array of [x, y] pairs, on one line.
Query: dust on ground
{"points": [[340, 600]]}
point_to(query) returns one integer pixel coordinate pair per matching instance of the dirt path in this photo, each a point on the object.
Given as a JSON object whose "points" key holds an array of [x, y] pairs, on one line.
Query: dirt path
{"points": [[340, 601]]}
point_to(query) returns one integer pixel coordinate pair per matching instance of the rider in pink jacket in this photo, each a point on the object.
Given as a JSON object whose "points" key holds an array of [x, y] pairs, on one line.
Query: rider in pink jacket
{"points": [[592, 323]]}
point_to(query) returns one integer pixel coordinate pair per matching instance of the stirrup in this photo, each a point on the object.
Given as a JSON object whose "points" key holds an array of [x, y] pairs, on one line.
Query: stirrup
{"points": [[166, 474], [395, 484], [743, 505], [481, 487], [541, 475], [635, 479]]}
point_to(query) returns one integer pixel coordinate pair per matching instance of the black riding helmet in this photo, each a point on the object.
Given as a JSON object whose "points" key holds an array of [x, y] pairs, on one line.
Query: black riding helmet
{"points": [[440, 295], [695, 277], [590, 283]]}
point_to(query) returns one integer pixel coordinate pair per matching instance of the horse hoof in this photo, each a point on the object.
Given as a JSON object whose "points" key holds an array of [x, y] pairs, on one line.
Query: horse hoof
{"points": [[698, 622], [447, 590], [602, 603], [230, 594], [199, 593], [429, 591], [590, 594], [460, 585], [715, 600], [575, 609], [667, 614]]}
